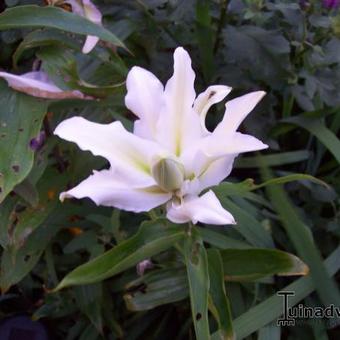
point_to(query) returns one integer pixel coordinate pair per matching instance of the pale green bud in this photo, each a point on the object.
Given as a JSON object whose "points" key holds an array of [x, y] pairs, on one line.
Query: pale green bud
{"points": [[168, 174]]}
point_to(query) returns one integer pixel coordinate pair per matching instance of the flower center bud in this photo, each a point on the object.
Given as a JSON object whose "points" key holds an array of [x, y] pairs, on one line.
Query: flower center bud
{"points": [[168, 174]]}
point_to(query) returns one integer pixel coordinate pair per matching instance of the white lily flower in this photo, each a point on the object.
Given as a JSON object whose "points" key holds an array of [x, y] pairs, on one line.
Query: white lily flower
{"points": [[170, 157], [38, 84], [88, 10]]}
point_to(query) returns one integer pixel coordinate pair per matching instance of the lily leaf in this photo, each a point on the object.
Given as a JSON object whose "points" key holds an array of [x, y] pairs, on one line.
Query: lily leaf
{"points": [[90, 299], [220, 240], [270, 309], [253, 264], [196, 262], [317, 128], [151, 239], [35, 16], [157, 288], [247, 225], [302, 239], [17, 263], [247, 185], [28, 192], [76, 82], [25, 234], [66, 66], [45, 37], [274, 159], [21, 118], [219, 303], [31, 218]]}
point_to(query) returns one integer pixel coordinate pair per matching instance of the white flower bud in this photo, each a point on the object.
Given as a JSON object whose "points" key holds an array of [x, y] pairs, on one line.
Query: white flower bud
{"points": [[168, 173]]}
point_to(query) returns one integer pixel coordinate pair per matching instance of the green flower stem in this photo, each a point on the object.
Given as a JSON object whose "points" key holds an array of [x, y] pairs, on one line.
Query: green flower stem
{"points": [[153, 215]]}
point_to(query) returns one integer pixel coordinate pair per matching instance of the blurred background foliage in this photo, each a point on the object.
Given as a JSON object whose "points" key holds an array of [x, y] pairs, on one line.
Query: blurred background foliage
{"points": [[290, 49]]}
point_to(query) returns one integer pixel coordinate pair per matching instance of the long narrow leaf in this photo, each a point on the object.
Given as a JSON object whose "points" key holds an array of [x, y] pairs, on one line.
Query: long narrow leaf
{"points": [[21, 117], [247, 225], [32, 16], [252, 264], [150, 240], [221, 241], [198, 276], [159, 287], [270, 309], [281, 158], [241, 188], [319, 130], [302, 240], [219, 302]]}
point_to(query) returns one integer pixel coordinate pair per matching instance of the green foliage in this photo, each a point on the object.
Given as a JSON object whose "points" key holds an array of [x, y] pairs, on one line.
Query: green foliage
{"points": [[21, 117], [53, 17], [219, 302], [196, 262], [73, 264], [150, 240]]}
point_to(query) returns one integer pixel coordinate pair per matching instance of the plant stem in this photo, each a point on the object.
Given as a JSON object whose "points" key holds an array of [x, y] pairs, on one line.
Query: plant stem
{"points": [[152, 214], [190, 227]]}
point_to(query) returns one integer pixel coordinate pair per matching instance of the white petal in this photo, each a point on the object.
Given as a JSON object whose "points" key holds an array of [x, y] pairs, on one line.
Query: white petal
{"points": [[142, 129], [217, 144], [145, 99], [208, 169], [88, 10], [38, 84], [179, 125], [224, 141], [180, 91], [90, 43], [205, 209], [211, 159], [216, 171], [190, 188], [127, 153], [77, 7], [92, 13], [212, 95], [105, 189], [237, 110]]}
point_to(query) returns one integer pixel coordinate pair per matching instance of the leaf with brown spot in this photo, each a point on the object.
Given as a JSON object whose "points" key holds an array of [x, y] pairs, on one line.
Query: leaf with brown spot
{"points": [[17, 110]]}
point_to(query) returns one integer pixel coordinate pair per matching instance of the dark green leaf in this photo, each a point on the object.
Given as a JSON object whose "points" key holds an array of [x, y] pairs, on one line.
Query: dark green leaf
{"points": [[252, 264], [28, 192], [157, 288], [219, 302], [221, 241], [198, 276], [21, 117], [204, 35], [16, 264], [318, 128], [270, 309], [239, 189], [247, 225], [90, 299], [302, 239], [281, 158], [43, 38], [34, 17], [151, 239]]}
